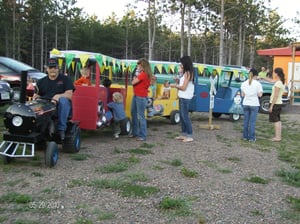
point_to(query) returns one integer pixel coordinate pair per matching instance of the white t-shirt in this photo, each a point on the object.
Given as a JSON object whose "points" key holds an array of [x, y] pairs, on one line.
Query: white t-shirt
{"points": [[251, 92], [189, 91]]}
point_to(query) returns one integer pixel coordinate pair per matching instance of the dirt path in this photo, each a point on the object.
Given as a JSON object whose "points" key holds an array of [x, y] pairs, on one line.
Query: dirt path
{"points": [[71, 191]]}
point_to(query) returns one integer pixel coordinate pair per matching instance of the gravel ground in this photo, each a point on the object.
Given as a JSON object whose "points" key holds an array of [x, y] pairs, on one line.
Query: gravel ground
{"points": [[215, 196]]}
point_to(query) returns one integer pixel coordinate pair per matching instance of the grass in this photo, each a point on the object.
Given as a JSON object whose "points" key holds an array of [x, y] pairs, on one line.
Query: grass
{"points": [[119, 176], [295, 203], [119, 166], [176, 206], [256, 180], [188, 172], [174, 162], [79, 157], [125, 188], [291, 177], [15, 197], [215, 166]]}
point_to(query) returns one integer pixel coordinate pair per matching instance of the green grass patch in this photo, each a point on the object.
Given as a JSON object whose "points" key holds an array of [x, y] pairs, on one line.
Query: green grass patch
{"points": [[291, 177], [234, 159], [119, 166], [179, 206], [14, 182], [134, 177], [224, 170], [256, 180], [227, 141], [210, 164], [106, 184], [257, 213], [79, 156], [114, 168], [103, 215], [125, 188], [174, 162], [295, 203], [147, 145], [140, 151], [16, 198], [158, 167], [188, 173], [76, 183], [133, 190]]}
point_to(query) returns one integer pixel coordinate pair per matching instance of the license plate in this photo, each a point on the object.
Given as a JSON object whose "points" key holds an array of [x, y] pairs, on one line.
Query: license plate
{"points": [[5, 96]]}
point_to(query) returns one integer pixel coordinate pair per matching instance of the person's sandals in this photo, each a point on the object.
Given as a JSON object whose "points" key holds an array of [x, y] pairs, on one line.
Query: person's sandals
{"points": [[188, 139], [181, 137]]}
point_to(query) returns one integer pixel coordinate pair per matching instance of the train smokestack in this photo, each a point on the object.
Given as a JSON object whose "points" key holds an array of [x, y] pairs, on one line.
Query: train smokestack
{"points": [[23, 86]]}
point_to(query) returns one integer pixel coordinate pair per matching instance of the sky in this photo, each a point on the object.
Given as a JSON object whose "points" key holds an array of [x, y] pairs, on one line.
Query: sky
{"points": [[104, 8]]}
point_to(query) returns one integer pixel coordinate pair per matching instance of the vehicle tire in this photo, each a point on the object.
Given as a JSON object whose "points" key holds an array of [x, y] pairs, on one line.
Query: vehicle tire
{"points": [[175, 117], [51, 154], [264, 104], [72, 141], [17, 94], [126, 126], [234, 117], [216, 115]]}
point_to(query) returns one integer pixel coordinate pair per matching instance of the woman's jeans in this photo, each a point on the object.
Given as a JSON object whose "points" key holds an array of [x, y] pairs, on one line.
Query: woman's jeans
{"points": [[139, 122], [250, 114], [186, 124]]}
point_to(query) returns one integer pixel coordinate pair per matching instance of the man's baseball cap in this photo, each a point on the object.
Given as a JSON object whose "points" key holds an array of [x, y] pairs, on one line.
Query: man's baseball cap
{"points": [[52, 62]]}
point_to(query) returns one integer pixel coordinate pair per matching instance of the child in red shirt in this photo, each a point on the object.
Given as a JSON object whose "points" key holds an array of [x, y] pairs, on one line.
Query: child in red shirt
{"points": [[84, 80]]}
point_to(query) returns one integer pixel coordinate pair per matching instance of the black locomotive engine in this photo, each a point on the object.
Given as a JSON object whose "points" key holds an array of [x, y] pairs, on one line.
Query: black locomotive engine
{"points": [[32, 125]]}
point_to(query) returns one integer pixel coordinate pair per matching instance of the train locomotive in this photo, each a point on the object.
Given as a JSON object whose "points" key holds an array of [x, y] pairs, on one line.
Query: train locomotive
{"points": [[31, 125]]}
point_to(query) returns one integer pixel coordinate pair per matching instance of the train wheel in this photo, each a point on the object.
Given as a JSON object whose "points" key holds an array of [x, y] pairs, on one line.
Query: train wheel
{"points": [[72, 141], [216, 115], [234, 117], [126, 126], [51, 155], [175, 117]]}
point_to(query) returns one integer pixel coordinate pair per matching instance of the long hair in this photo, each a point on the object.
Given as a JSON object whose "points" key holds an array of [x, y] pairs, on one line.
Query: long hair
{"points": [[188, 67], [253, 72], [146, 66], [280, 74]]}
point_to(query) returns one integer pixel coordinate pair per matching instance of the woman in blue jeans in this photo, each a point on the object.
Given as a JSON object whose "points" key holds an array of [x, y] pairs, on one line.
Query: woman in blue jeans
{"points": [[185, 94], [251, 91], [141, 83]]}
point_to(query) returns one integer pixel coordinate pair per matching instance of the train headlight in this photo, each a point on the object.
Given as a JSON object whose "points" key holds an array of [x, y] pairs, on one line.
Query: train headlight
{"points": [[17, 121]]}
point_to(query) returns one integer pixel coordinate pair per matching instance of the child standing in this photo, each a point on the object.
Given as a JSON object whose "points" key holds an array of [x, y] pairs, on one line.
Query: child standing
{"points": [[118, 111]]}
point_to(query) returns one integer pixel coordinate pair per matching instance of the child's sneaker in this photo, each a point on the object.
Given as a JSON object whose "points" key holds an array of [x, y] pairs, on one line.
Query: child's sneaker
{"points": [[116, 136]]}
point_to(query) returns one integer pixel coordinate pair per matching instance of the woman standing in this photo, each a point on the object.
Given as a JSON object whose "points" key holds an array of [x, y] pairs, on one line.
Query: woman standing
{"points": [[251, 90], [141, 83], [185, 94], [276, 101]]}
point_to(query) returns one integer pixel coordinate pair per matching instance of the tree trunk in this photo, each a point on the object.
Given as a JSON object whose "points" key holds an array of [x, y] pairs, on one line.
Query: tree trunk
{"points": [[182, 11]]}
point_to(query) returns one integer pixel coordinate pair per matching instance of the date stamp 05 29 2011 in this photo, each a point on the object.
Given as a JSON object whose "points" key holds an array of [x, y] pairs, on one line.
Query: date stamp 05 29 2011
{"points": [[51, 204]]}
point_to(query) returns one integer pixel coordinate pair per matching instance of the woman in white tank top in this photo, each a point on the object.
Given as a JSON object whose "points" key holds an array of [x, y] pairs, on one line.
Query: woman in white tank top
{"points": [[185, 94]]}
